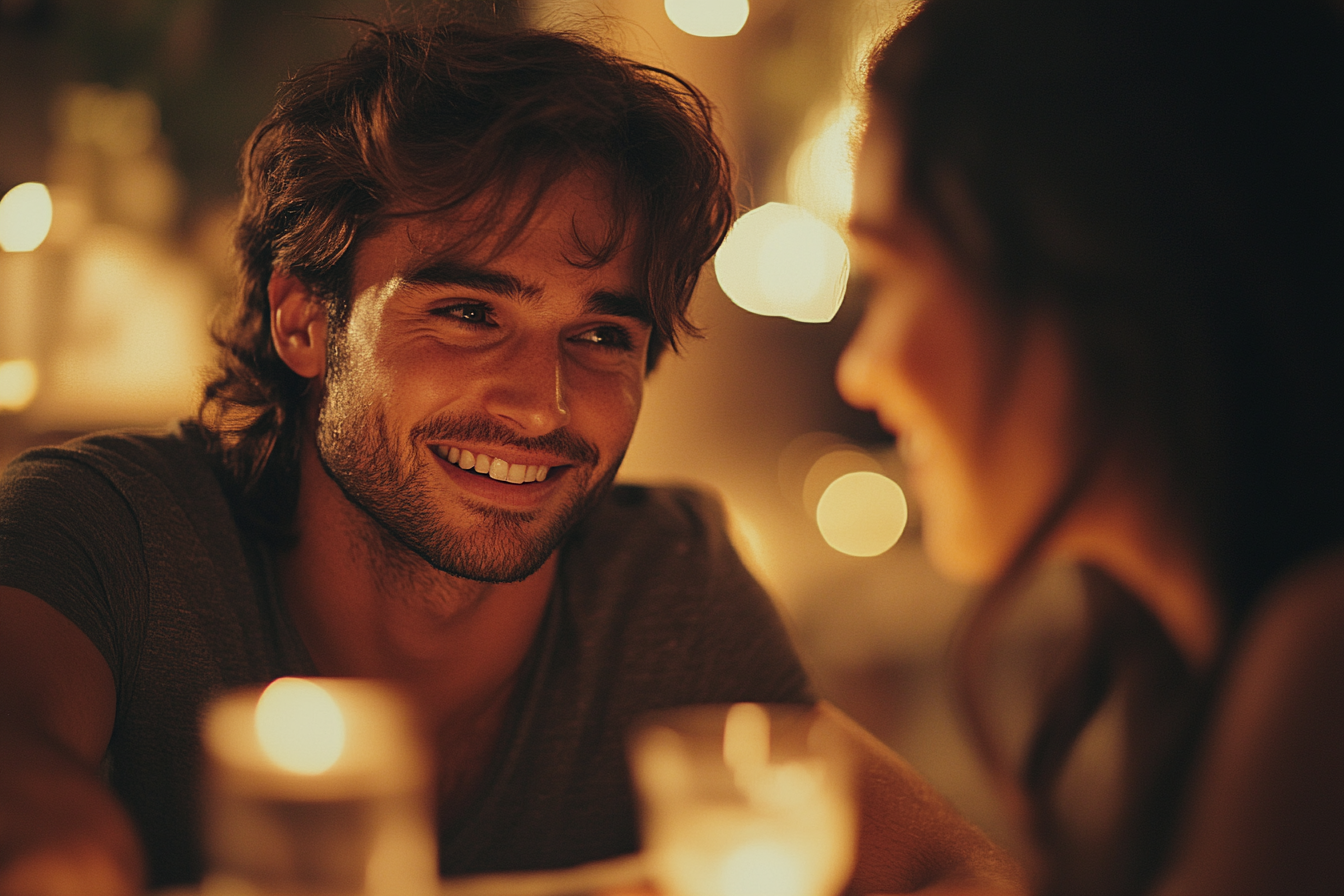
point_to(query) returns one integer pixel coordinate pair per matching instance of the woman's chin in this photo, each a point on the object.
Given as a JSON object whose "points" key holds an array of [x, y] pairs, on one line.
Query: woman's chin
{"points": [[957, 557]]}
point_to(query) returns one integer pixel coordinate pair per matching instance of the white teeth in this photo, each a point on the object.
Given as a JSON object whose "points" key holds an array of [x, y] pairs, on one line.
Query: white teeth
{"points": [[495, 467]]}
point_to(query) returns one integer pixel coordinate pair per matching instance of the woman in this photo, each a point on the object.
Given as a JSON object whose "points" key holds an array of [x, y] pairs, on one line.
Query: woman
{"points": [[1105, 249]]}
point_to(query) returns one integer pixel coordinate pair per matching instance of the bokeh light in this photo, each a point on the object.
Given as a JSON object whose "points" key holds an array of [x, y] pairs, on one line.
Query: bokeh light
{"points": [[862, 514], [831, 466], [118, 122], [708, 18], [18, 384], [25, 217], [299, 725], [781, 261]]}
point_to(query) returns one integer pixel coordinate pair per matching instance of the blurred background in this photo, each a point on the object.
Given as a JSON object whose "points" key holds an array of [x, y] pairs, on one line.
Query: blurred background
{"points": [[130, 115]]}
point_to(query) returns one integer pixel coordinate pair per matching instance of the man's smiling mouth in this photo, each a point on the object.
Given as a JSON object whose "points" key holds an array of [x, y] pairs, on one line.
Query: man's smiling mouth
{"points": [[494, 467]]}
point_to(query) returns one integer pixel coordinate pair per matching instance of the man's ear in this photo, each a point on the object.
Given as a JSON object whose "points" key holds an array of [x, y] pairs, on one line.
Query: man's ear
{"points": [[298, 325]]}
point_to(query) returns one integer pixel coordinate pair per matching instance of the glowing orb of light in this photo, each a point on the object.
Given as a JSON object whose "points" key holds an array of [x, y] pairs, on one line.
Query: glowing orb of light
{"points": [[18, 384], [781, 261], [763, 868], [300, 726], [862, 514], [708, 18], [830, 467], [25, 217]]}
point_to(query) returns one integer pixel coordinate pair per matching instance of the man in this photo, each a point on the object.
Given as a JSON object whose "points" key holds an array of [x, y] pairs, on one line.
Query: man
{"points": [[462, 251]]}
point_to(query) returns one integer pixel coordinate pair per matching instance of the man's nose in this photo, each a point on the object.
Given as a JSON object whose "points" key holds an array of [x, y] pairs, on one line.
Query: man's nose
{"points": [[528, 390]]}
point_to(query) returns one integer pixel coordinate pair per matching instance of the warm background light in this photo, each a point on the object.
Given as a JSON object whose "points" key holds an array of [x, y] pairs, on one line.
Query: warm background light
{"points": [[25, 217], [300, 727], [18, 384], [821, 167], [708, 18], [781, 261], [862, 514]]}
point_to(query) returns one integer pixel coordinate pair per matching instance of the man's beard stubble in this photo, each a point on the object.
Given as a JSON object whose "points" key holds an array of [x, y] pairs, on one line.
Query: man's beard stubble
{"points": [[391, 489]]}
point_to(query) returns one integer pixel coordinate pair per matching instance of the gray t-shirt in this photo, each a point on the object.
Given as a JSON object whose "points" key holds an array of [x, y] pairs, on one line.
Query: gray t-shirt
{"points": [[132, 538]]}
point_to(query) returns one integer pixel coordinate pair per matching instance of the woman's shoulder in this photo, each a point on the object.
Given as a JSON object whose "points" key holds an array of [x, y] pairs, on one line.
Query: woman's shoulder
{"points": [[1265, 811], [1296, 637]]}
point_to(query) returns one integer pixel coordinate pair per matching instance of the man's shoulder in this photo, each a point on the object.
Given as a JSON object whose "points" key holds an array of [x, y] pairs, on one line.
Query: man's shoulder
{"points": [[128, 449], [141, 466]]}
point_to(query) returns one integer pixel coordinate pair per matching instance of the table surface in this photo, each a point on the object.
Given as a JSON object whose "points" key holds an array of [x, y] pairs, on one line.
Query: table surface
{"points": [[622, 871]]}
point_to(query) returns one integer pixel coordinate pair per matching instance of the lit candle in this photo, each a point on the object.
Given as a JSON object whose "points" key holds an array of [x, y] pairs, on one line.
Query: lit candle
{"points": [[744, 800], [317, 785]]}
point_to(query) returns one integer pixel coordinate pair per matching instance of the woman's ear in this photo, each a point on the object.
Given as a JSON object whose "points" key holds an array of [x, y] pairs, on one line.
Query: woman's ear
{"points": [[298, 325]]}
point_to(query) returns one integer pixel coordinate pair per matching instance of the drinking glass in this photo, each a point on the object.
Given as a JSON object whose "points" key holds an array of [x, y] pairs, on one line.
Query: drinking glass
{"points": [[744, 800], [316, 786]]}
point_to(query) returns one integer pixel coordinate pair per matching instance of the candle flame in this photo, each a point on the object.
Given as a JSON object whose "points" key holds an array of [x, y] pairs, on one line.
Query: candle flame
{"points": [[300, 726], [763, 868]]}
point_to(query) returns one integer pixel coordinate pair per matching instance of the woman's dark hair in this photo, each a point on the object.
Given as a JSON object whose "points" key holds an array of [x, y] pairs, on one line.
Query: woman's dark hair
{"points": [[424, 120], [1164, 179]]}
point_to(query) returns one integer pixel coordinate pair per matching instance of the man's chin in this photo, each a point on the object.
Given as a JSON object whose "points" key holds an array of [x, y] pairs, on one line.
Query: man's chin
{"points": [[489, 572], [505, 547]]}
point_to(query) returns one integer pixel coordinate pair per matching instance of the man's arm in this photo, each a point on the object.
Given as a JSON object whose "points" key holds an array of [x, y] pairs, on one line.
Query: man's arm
{"points": [[61, 830], [910, 837]]}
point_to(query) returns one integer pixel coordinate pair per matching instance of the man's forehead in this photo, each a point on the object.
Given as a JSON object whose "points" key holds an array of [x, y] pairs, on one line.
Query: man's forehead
{"points": [[513, 250], [579, 213]]}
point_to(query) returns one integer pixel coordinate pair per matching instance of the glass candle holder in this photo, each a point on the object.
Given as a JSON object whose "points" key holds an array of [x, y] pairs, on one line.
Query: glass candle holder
{"points": [[317, 786], [745, 800]]}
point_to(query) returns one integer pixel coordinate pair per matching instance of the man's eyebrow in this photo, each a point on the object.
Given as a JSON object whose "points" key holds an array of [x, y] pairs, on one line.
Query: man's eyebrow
{"points": [[453, 273], [620, 304]]}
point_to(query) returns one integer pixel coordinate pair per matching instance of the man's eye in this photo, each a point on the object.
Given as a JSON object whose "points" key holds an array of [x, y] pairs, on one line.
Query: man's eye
{"points": [[608, 336], [466, 312]]}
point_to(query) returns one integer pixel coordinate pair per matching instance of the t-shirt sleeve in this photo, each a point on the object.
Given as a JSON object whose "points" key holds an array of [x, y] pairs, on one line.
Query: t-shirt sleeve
{"points": [[68, 537]]}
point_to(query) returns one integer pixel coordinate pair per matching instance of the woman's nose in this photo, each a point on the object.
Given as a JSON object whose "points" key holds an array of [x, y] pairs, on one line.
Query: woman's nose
{"points": [[858, 371]]}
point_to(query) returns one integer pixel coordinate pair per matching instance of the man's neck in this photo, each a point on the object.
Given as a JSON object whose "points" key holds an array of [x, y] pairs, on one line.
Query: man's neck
{"points": [[367, 606]]}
